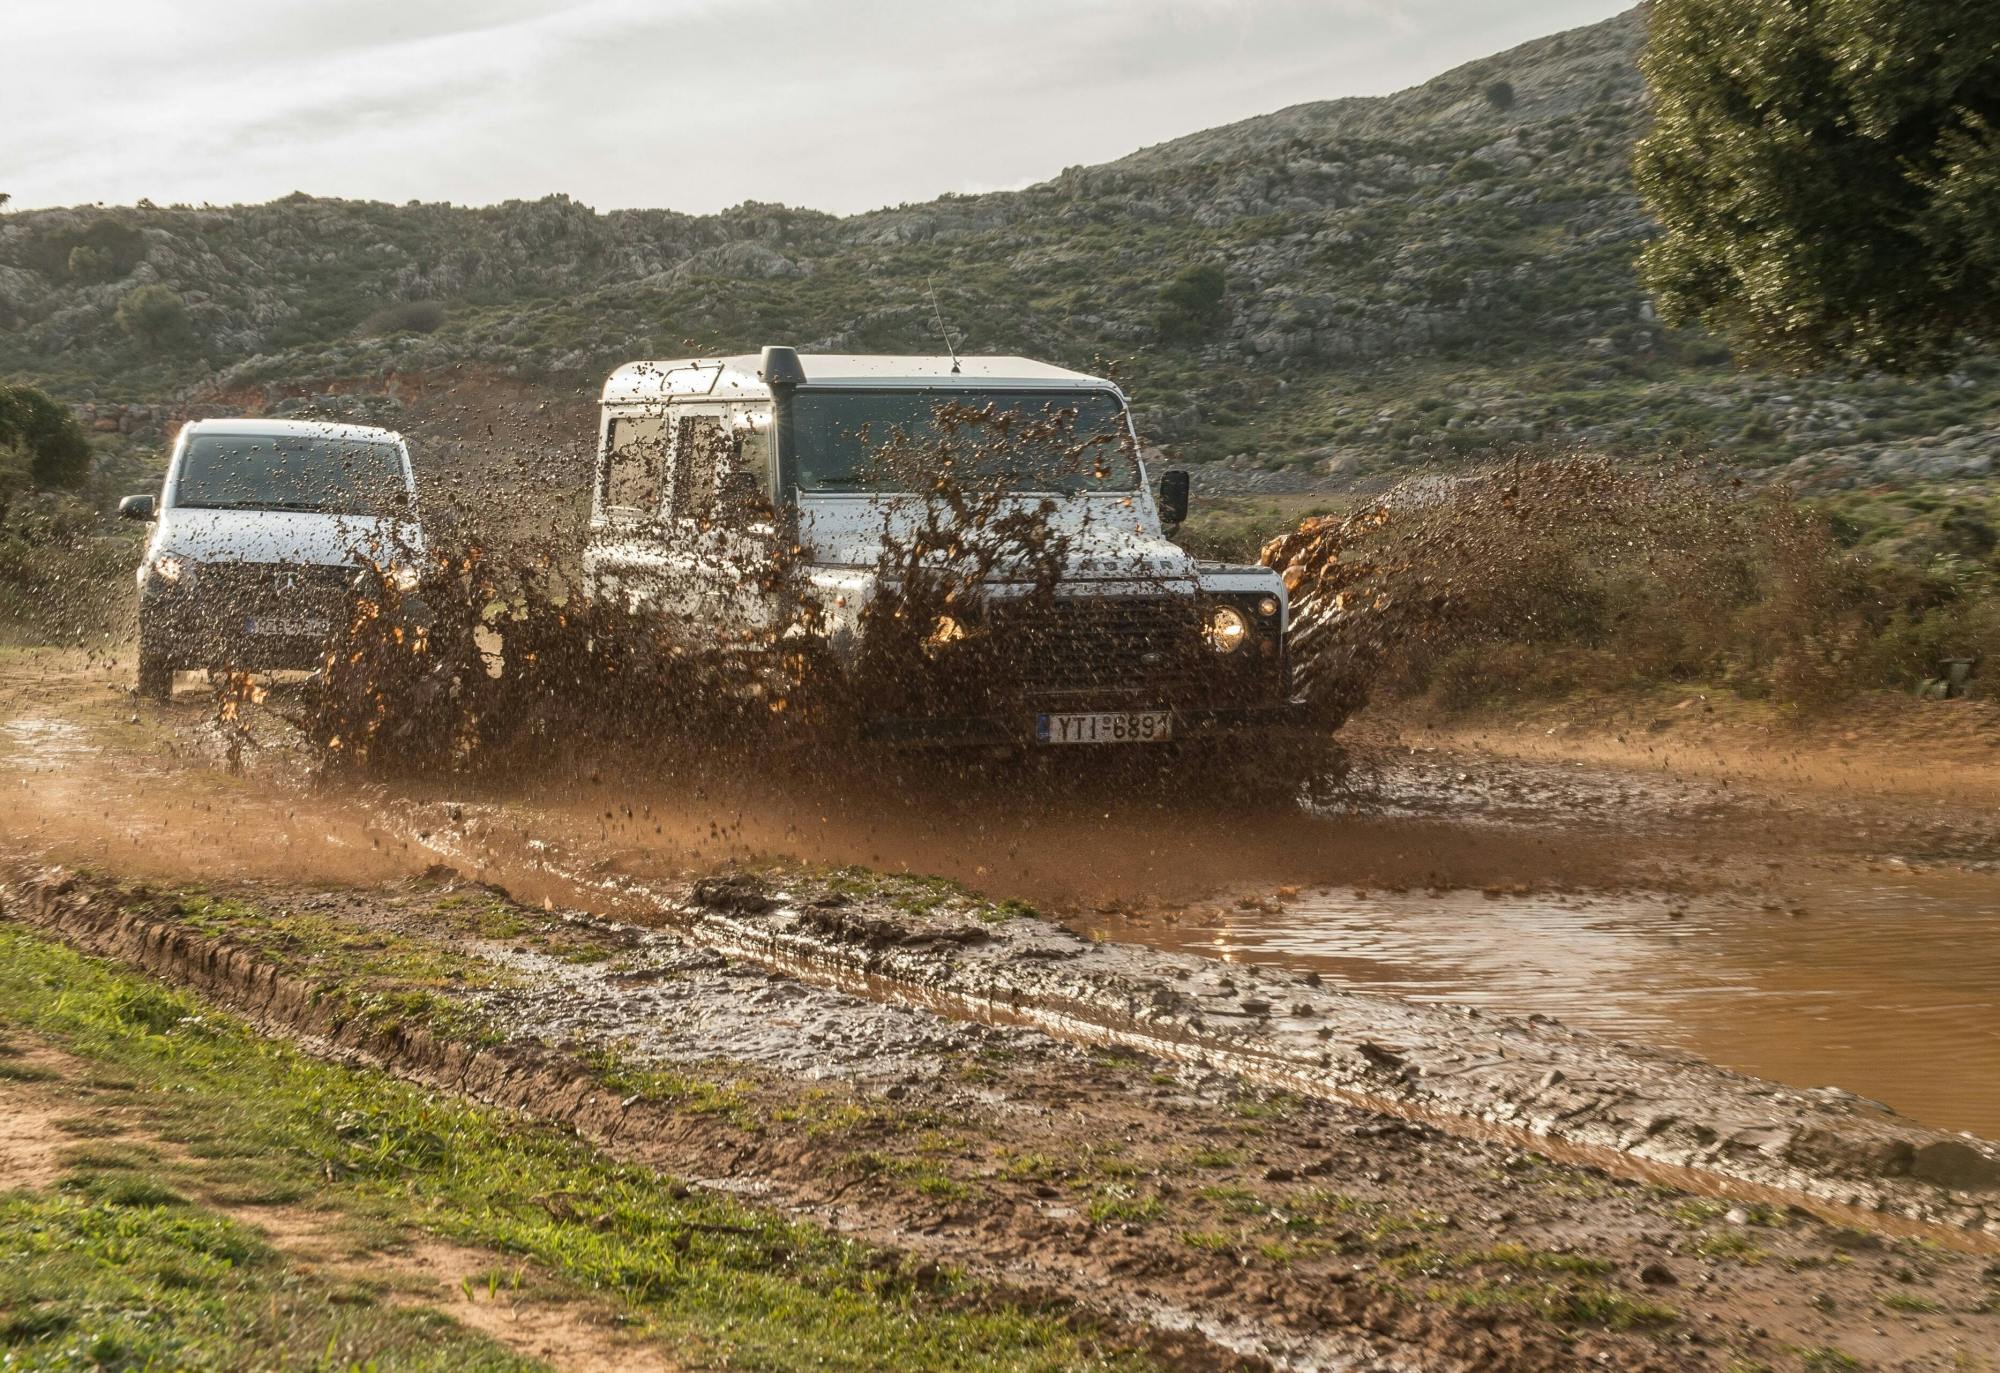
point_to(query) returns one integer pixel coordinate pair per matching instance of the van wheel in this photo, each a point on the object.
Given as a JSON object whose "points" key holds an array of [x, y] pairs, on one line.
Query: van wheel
{"points": [[156, 673]]}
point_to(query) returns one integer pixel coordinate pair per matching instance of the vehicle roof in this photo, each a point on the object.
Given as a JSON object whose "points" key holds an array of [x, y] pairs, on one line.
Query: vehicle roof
{"points": [[323, 429], [739, 377]]}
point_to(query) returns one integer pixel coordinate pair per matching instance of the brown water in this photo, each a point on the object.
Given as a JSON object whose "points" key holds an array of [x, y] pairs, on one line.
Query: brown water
{"points": [[1885, 984]]}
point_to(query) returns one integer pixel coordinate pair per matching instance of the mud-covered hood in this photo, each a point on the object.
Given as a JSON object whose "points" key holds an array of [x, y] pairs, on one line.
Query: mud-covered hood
{"points": [[1107, 539], [281, 536]]}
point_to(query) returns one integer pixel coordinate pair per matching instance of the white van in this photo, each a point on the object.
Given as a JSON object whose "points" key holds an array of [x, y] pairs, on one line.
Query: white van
{"points": [[263, 532], [1140, 644]]}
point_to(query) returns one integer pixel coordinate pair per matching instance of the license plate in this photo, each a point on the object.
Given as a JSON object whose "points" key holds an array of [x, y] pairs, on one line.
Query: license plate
{"points": [[1106, 727], [289, 627]]}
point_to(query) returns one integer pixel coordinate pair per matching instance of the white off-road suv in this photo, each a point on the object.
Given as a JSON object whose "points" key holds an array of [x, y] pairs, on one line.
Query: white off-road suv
{"points": [[1138, 644], [263, 532]]}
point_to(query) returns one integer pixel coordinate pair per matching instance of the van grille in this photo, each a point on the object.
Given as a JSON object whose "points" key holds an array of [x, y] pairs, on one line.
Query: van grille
{"points": [[298, 588]]}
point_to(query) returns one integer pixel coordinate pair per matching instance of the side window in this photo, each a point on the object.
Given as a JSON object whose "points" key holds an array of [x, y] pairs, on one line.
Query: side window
{"points": [[635, 450], [753, 455], [701, 454]]}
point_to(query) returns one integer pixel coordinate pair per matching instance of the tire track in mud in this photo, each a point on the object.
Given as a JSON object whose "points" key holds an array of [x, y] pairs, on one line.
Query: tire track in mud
{"points": [[1530, 1083], [552, 1086], [1196, 1308]]}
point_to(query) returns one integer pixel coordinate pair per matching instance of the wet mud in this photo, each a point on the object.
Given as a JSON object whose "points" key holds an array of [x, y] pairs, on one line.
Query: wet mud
{"points": [[1502, 856], [1825, 938], [1248, 1224]]}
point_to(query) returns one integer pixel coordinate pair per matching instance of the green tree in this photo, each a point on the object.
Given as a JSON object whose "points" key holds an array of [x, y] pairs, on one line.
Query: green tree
{"points": [[1191, 303], [90, 263], [155, 315], [43, 439], [16, 476], [1827, 175]]}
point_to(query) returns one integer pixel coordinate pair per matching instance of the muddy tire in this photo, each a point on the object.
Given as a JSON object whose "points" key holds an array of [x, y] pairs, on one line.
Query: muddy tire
{"points": [[156, 672]]}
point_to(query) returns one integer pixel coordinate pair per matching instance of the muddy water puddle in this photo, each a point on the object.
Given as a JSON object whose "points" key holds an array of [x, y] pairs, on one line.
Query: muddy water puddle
{"points": [[1885, 984]]}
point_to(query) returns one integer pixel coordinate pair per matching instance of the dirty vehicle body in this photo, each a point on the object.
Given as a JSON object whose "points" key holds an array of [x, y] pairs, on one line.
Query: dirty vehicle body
{"points": [[732, 491], [264, 533]]}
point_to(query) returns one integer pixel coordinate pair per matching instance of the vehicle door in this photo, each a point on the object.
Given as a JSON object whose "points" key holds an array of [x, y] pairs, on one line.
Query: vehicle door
{"points": [[720, 523], [629, 558]]}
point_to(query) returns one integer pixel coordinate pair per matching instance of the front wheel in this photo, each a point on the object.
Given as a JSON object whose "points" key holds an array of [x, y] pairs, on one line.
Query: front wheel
{"points": [[156, 672]]}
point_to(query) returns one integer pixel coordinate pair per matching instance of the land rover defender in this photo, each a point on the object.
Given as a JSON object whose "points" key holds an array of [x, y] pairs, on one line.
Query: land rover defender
{"points": [[712, 471]]}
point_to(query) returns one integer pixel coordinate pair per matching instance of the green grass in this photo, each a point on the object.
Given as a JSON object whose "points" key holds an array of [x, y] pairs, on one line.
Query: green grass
{"points": [[1516, 1257], [1565, 1303], [1730, 1244], [110, 1278], [1911, 1303], [726, 1094], [730, 1283], [385, 978], [1120, 1205]]}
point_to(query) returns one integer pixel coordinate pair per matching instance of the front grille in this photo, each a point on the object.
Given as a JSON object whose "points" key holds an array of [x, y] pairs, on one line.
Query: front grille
{"points": [[270, 588], [1105, 646]]}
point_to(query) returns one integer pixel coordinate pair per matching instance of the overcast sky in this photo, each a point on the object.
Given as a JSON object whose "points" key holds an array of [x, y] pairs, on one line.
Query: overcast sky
{"points": [[688, 104]]}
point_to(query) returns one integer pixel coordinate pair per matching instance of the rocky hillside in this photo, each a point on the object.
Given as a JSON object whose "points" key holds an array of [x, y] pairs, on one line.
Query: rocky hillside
{"points": [[1443, 271]]}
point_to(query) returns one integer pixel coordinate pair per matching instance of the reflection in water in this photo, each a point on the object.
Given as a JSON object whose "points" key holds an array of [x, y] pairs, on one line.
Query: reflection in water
{"points": [[1889, 988]]}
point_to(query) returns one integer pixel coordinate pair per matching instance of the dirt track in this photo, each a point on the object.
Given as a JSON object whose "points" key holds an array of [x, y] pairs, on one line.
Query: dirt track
{"points": [[138, 794]]}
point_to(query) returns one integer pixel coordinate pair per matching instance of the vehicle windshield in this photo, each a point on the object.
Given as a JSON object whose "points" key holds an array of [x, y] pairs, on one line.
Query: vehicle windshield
{"points": [[322, 475], [1036, 441]]}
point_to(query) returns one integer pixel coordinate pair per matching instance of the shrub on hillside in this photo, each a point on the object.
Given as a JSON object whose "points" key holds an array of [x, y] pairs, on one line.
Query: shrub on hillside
{"points": [[156, 316], [404, 317], [44, 436], [1191, 304]]}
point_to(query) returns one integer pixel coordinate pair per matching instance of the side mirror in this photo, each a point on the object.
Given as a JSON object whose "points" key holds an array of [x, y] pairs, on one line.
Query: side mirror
{"points": [[138, 507], [1173, 497]]}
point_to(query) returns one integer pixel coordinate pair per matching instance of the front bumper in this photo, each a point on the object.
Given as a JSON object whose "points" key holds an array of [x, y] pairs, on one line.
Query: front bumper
{"points": [[1192, 726], [247, 616]]}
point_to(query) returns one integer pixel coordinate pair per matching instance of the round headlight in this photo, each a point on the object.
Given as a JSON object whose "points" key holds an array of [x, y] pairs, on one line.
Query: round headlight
{"points": [[947, 630], [168, 568], [1268, 606], [1226, 629], [405, 576]]}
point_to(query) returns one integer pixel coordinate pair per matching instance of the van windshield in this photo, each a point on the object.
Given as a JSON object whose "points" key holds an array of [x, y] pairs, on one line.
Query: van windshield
{"points": [[323, 475], [1032, 441]]}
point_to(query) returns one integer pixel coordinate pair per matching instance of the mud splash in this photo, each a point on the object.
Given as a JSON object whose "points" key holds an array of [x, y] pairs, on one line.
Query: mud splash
{"points": [[1553, 572]]}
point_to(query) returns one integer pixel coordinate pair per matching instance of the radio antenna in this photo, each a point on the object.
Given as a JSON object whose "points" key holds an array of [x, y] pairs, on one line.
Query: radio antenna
{"points": [[938, 315]]}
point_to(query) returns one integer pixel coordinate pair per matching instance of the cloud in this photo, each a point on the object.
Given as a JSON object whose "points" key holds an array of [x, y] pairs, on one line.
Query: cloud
{"points": [[691, 104]]}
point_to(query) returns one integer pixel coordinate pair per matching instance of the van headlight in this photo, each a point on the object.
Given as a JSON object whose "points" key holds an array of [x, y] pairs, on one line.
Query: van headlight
{"points": [[168, 568], [1225, 629], [405, 576]]}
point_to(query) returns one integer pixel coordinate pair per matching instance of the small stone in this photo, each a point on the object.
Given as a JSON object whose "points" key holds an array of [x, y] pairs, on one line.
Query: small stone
{"points": [[1736, 1215], [1659, 1275]]}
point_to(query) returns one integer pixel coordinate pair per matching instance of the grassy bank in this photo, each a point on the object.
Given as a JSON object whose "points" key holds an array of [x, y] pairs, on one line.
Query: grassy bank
{"points": [[110, 1269], [716, 1280]]}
